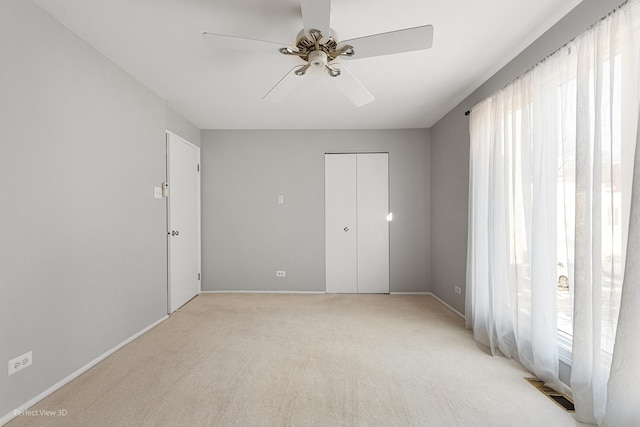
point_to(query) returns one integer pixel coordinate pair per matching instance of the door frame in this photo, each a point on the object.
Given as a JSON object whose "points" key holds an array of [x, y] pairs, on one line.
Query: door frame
{"points": [[168, 135]]}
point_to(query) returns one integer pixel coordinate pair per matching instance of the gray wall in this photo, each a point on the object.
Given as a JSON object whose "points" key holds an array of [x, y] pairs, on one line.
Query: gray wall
{"points": [[450, 154], [247, 236], [182, 127], [83, 246]]}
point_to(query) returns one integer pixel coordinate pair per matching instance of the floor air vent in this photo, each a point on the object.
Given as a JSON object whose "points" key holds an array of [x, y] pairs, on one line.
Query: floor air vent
{"points": [[564, 401]]}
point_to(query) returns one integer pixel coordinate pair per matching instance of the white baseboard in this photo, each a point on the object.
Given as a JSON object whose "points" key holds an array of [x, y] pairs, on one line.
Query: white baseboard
{"points": [[409, 293], [265, 292], [431, 294], [11, 415], [301, 292], [446, 305]]}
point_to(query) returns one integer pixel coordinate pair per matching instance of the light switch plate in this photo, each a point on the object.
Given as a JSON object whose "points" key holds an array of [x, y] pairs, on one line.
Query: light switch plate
{"points": [[157, 192], [281, 200]]}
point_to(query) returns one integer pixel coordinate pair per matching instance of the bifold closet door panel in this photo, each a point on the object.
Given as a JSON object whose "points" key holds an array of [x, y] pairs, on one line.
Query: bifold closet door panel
{"points": [[340, 223], [372, 184]]}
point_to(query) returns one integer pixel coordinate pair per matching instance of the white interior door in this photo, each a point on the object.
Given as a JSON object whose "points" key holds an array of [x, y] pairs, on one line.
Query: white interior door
{"points": [[356, 226], [183, 174], [373, 227], [340, 223]]}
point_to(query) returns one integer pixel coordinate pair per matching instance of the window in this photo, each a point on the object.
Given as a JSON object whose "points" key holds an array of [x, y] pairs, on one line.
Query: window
{"points": [[610, 172]]}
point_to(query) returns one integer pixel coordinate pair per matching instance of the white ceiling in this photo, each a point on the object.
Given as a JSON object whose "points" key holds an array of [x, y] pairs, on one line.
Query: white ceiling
{"points": [[159, 42]]}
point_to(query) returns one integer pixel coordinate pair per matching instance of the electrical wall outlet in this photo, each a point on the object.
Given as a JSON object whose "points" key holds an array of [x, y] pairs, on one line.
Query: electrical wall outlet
{"points": [[281, 273], [458, 290], [20, 362]]}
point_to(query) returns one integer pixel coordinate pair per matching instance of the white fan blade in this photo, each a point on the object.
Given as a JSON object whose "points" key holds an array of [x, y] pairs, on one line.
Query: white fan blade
{"points": [[219, 41], [285, 86], [351, 87], [407, 40], [316, 15]]}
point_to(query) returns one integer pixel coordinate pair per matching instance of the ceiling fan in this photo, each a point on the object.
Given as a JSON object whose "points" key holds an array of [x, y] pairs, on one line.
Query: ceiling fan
{"points": [[318, 47]]}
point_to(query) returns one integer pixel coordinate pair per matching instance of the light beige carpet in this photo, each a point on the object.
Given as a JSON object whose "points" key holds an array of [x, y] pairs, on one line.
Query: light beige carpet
{"points": [[303, 360]]}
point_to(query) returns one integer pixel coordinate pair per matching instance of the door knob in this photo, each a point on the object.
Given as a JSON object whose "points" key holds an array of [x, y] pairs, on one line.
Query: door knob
{"points": [[174, 232], [346, 229]]}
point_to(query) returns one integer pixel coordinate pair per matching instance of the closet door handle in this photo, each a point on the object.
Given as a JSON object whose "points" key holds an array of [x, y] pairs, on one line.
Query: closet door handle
{"points": [[346, 229]]}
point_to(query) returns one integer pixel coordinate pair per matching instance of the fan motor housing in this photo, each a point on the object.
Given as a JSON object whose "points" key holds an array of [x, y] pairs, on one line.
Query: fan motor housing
{"points": [[318, 58], [308, 46]]}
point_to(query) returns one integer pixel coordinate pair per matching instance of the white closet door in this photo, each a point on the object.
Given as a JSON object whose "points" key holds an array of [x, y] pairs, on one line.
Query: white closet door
{"points": [[340, 223], [373, 228], [356, 227]]}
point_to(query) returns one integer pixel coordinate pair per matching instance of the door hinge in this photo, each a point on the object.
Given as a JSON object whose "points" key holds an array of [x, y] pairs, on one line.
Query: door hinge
{"points": [[198, 276], [198, 167]]}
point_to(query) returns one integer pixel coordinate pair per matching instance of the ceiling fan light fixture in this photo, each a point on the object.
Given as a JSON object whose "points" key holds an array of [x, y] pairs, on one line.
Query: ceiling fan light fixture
{"points": [[289, 51], [333, 71], [318, 58], [302, 70]]}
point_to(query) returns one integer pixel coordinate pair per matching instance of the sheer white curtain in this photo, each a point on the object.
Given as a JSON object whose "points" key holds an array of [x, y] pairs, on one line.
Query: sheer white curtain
{"points": [[606, 128], [551, 168], [623, 407], [512, 255]]}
